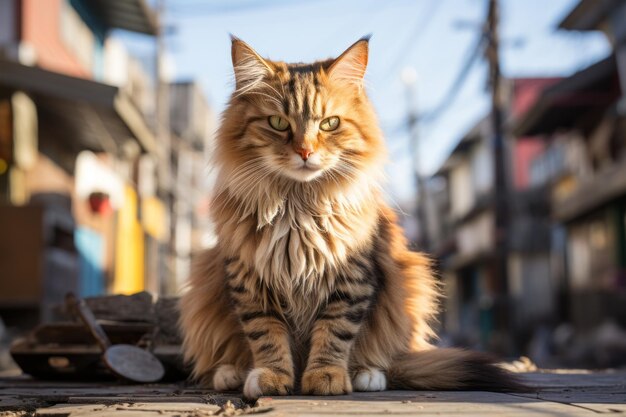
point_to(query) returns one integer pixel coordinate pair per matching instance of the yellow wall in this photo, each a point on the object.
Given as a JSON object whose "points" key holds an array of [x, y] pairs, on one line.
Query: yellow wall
{"points": [[129, 259], [154, 219]]}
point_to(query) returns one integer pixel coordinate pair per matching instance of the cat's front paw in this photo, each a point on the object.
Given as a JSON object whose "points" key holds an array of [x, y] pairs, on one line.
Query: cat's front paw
{"points": [[264, 381], [369, 380], [227, 378], [327, 380]]}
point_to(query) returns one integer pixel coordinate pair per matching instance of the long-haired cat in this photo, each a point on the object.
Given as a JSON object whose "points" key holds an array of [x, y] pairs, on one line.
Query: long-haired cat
{"points": [[311, 287]]}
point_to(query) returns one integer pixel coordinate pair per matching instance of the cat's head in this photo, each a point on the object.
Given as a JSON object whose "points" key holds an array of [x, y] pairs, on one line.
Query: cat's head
{"points": [[301, 122]]}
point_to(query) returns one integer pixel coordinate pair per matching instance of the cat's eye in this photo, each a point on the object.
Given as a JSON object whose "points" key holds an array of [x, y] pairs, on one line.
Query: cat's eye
{"points": [[330, 123], [278, 123]]}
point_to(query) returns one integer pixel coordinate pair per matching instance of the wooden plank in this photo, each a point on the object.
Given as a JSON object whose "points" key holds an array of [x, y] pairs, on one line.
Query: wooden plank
{"points": [[77, 333], [574, 379], [118, 399], [556, 395], [133, 308], [134, 409], [409, 403]]}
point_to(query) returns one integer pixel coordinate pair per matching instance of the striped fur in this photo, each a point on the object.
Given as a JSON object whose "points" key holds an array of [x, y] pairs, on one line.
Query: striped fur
{"points": [[311, 285]]}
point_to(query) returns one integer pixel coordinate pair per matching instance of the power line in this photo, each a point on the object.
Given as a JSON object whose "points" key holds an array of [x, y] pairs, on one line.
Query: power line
{"points": [[454, 89], [431, 116]]}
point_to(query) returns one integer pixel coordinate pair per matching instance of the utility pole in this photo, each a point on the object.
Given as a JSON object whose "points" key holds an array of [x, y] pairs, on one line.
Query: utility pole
{"points": [[409, 78], [501, 311], [163, 134], [162, 101]]}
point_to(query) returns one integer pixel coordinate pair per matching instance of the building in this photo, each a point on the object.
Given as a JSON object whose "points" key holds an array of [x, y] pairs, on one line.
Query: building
{"points": [[73, 131], [464, 241], [193, 126], [582, 122], [607, 16]]}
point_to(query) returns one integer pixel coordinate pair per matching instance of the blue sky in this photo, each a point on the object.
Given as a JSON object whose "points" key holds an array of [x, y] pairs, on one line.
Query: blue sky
{"points": [[423, 34]]}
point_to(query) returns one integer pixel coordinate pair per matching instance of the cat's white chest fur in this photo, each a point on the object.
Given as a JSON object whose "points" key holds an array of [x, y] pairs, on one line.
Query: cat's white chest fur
{"points": [[305, 246], [300, 239], [298, 249]]}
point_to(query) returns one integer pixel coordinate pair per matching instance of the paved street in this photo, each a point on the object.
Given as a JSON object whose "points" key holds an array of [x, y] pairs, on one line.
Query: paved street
{"points": [[555, 394]]}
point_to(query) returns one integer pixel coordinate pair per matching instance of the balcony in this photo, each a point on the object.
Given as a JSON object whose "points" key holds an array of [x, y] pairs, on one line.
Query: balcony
{"points": [[607, 185]]}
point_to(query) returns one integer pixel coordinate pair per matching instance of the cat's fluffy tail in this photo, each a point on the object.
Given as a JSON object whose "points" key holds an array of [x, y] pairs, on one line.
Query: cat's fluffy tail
{"points": [[450, 369]]}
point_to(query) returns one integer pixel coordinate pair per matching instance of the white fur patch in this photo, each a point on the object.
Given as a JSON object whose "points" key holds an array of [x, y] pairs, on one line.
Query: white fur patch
{"points": [[370, 380], [251, 389], [226, 378]]}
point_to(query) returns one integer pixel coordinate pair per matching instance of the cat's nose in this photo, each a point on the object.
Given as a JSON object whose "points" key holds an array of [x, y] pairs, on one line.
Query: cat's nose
{"points": [[304, 153]]}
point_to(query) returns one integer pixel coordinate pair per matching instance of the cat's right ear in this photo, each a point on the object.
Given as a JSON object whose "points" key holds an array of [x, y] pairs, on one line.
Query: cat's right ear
{"points": [[249, 67], [351, 64]]}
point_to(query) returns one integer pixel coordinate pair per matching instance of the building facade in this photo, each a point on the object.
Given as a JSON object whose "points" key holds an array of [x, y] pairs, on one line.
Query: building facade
{"points": [[464, 244], [193, 127], [582, 121], [76, 141]]}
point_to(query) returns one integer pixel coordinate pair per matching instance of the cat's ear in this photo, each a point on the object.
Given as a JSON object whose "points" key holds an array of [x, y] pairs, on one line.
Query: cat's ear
{"points": [[351, 64], [249, 67]]}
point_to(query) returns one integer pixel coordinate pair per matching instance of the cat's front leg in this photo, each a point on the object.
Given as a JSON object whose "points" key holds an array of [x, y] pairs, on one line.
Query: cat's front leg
{"points": [[266, 332], [335, 330]]}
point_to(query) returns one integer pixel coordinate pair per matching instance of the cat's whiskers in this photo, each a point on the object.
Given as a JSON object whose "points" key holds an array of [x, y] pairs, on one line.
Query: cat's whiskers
{"points": [[331, 174]]}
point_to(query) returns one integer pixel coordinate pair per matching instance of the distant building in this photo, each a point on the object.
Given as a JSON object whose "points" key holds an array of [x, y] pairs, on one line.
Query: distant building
{"points": [[582, 121], [464, 241], [73, 129], [607, 16], [193, 126]]}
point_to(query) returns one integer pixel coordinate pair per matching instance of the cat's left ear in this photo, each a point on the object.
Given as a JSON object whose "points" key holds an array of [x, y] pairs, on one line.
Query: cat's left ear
{"points": [[351, 64], [249, 67]]}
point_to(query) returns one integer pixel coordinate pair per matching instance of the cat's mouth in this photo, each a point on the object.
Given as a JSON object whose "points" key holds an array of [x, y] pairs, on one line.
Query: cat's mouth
{"points": [[312, 168], [305, 172]]}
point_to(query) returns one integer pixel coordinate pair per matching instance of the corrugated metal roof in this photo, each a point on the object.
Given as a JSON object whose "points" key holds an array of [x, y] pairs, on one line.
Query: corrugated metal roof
{"points": [[132, 15], [589, 14], [75, 96], [562, 104]]}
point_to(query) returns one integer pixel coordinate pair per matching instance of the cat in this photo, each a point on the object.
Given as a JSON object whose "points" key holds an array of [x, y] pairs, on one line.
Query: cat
{"points": [[311, 287]]}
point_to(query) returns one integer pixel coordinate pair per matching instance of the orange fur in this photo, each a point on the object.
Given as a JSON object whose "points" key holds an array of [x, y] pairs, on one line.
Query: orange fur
{"points": [[311, 283]]}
